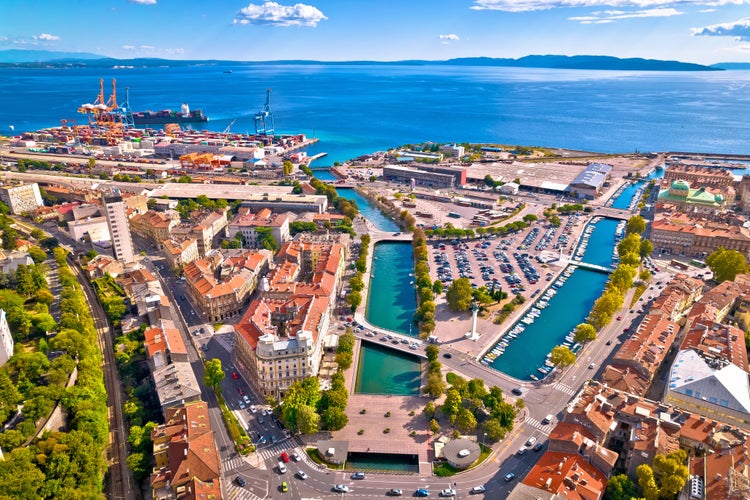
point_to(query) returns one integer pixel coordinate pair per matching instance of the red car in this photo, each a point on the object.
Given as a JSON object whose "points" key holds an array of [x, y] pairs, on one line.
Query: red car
{"points": [[239, 389], [235, 375], [285, 457], [618, 319]]}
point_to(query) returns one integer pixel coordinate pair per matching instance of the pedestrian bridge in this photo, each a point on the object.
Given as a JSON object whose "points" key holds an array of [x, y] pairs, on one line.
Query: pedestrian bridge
{"points": [[592, 267]]}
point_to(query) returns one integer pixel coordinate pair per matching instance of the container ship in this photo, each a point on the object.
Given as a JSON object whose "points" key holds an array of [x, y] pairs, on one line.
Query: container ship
{"points": [[169, 116]]}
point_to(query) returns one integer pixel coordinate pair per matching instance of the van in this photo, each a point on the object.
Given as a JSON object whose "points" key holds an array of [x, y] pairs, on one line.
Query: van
{"points": [[282, 468], [548, 419]]}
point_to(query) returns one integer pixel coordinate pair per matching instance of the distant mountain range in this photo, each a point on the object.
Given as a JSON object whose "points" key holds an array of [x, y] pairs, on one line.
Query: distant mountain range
{"points": [[51, 59]]}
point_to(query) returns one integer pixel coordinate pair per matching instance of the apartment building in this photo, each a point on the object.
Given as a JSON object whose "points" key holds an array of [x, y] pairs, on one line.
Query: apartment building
{"points": [[247, 223], [222, 281], [21, 197], [119, 230], [154, 226], [685, 234], [177, 253], [206, 226], [6, 340]]}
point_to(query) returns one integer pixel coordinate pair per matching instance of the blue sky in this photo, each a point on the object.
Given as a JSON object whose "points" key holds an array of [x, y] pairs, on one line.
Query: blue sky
{"points": [[701, 31]]}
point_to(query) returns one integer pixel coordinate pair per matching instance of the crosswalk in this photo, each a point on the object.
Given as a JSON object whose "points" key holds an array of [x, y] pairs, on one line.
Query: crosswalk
{"points": [[564, 388], [236, 492], [536, 424], [225, 340], [275, 450], [234, 463]]}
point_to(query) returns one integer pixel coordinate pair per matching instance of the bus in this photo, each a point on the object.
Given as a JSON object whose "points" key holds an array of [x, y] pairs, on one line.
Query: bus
{"points": [[454, 215], [698, 263]]}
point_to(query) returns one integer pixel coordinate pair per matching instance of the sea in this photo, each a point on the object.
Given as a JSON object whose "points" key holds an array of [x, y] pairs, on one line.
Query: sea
{"points": [[358, 109]]}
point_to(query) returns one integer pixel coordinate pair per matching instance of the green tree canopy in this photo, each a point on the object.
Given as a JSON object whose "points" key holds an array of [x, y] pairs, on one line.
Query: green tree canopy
{"points": [[465, 421], [629, 244], [726, 264], [213, 374], [646, 248], [584, 332], [435, 385], [562, 357], [308, 420], [620, 487], [459, 295], [636, 225]]}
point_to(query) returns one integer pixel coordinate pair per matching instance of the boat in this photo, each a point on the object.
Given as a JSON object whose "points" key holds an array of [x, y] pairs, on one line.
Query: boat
{"points": [[227, 71], [534, 377], [184, 115]]}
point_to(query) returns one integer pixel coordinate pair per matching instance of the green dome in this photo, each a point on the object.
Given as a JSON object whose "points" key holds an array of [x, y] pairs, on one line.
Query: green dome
{"points": [[719, 198], [680, 184]]}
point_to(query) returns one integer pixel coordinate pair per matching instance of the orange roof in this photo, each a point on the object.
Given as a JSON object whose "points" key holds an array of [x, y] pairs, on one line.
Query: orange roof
{"points": [[566, 431], [568, 475], [155, 341], [717, 341]]}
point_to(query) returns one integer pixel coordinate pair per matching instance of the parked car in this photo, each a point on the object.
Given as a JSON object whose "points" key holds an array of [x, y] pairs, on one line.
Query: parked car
{"points": [[477, 490], [235, 375], [358, 475]]}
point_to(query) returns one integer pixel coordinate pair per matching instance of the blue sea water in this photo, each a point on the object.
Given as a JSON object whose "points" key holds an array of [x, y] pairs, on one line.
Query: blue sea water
{"points": [[357, 109]]}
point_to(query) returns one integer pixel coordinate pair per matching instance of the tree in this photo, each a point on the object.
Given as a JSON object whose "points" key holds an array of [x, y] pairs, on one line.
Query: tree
{"points": [[584, 332], [37, 254], [636, 225], [646, 248], [459, 295], [213, 374], [264, 239], [334, 418], [432, 351], [623, 277], [726, 264], [434, 426], [562, 357], [429, 409], [344, 360], [308, 420], [673, 473], [630, 244], [453, 403], [647, 482], [287, 167], [620, 487], [465, 421], [494, 430], [437, 287], [435, 385]]}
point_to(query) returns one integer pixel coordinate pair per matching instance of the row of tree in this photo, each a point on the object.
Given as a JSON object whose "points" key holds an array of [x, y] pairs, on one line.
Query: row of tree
{"points": [[426, 290], [354, 298], [453, 232], [66, 464], [665, 478]]}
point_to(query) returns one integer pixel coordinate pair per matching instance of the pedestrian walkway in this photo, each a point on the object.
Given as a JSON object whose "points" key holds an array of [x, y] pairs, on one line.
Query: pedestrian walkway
{"points": [[234, 491], [564, 389], [233, 463], [225, 340], [275, 450], [537, 424]]}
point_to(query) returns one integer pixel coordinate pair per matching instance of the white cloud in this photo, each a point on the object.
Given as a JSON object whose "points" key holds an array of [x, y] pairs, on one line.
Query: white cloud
{"points": [[610, 16], [706, 11], [143, 2], [738, 29], [530, 5], [128, 47], [274, 14], [46, 37], [449, 36]]}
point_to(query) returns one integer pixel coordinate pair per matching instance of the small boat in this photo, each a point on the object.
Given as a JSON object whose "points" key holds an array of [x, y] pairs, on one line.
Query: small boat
{"points": [[534, 377], [228, 71]]}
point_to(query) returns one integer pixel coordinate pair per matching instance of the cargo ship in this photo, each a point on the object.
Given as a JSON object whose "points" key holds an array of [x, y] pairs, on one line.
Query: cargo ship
{"points": [[169, 116]]}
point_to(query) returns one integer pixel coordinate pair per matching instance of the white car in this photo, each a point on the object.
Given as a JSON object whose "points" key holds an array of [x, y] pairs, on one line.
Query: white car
{"points": [[253, 409], [242, 405], [295, 456], [341, 488], [301, 474], [448, 492]]}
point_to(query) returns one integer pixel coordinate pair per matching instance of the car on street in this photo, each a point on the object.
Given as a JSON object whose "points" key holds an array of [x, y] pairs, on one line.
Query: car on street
{"points": [[509, 477], [240, 481], [341, 488], [591, 366], [421, 492], [241, 391], [609, 342], [295, 456], [358, 475], [301, 474], [285, 457], [619, 318], [262, 440], [253, 409], [284, 487], [538, 446], [516, 391], [448, 492], [235, 375], [394, 492], [477, 490], [531, 441], [242, 405], [447, 355]]}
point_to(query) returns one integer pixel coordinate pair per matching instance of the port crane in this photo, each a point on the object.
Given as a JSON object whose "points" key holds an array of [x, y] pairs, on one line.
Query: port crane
{"points": [[264, 117], [77, 129], [226, 130], [105, 116]]}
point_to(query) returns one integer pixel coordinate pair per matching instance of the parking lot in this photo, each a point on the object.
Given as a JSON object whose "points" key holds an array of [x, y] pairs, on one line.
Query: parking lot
{"points": [[503, 262]]}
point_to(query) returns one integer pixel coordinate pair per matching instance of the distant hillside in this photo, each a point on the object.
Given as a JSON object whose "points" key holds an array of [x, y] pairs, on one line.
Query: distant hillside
{"points": [[30, 56], [731, 65], [43, 58]]}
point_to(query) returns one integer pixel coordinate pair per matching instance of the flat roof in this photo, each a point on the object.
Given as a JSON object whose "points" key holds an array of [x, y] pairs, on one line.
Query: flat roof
{"points": [[545, 175], [216, 191]]}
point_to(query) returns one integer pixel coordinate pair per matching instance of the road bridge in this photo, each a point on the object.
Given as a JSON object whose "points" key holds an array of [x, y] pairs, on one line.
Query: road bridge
{"points": [[614, 213]]}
